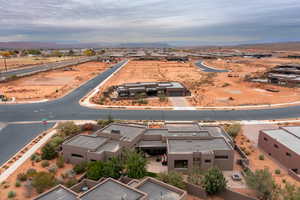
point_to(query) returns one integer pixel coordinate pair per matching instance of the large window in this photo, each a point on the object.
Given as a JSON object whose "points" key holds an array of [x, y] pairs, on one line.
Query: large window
{"points": [[221, 157], [77, 155], [181, 163]]}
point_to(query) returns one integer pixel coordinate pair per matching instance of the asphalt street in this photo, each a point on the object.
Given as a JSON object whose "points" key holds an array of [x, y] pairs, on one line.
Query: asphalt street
{"points": [[68, 108], [43, 67], [13, 138], [208, 69]]}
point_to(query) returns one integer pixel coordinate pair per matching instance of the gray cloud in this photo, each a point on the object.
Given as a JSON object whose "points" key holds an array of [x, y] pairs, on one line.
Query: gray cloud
{"points": [[190, 21]]}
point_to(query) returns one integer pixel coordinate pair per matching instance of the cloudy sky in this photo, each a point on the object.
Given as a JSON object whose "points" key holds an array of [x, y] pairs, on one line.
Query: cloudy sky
{"points": [[174, 21]]}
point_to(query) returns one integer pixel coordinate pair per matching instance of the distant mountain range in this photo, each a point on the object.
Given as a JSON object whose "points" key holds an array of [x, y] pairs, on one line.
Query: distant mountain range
{"points": [[278, 46], [53, 45]]}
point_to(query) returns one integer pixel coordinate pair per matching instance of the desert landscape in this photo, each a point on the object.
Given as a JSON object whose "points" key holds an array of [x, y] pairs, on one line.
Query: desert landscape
{"points": [[51, 84]]}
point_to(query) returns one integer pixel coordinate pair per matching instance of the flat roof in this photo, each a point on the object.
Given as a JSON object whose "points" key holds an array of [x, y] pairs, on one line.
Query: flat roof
{"points": [[151, 143], [111, 146], [156, 191], [287, 139], [183, 127], [57, 193], [112, 190], [87, 141], [156, 131], [128, 131], [197, 145], [295, 130]]}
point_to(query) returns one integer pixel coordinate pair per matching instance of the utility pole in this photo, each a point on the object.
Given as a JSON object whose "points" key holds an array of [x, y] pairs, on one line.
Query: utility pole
{"points": [[5, 63]]}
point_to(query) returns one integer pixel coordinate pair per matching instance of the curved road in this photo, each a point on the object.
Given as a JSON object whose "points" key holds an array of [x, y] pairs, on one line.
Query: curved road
{"points": [[68, 108], [208, 69]]}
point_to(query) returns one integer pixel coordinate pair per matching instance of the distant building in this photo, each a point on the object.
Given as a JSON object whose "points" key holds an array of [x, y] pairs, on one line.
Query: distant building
{"points": [[283, 144], [131, 90], [285, 74], [185, 145]]}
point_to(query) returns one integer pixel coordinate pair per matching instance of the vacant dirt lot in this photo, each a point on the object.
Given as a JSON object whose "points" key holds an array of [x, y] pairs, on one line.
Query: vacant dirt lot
{"points": [[230, 89], [14, 63], [143, 71], [51, 84]]}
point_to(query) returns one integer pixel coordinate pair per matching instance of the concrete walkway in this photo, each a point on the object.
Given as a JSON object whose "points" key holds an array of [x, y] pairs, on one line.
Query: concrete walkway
{"points": [[180, 103]]}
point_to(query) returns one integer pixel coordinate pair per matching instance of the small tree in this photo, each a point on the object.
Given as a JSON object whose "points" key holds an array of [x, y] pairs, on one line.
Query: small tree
{"points": [[290, 192], [48, 152], [135, 164], [60, 162], [11, 194], [80, 168], [173, 178], [95, 170], [113, 168], [233, 130], [214, 181], [43, 181], [262, 182]]}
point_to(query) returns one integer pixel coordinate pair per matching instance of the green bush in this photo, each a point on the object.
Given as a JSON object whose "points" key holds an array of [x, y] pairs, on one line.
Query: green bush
{"points": [[52, 168], [261, 157], [214, 181], [18, 184], [22, 177], [48, 152], [80, 168], [68, 128], [60, 162], [56, 141], [233, 129], [45, 163], [162, 97], [11, 194], [105, 122], [31, 173], [277, 171], [43, 181], [173, 178], [135, 164], [33, 157]]}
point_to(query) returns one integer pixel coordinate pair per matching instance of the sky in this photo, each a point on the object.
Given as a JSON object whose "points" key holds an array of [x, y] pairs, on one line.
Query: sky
{"points": [[178, 22]]}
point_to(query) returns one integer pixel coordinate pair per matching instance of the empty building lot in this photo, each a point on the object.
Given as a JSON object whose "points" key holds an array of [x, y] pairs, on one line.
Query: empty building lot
{"points": [[232, 89], [51, 84], [152, 71]]}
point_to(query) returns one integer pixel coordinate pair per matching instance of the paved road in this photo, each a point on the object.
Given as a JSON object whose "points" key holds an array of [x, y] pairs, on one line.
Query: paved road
{"points": [[67, 108], [13, 138], [45, 67], [209, 69]]}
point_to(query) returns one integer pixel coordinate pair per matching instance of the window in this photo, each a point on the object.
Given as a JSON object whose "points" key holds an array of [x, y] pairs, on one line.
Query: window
{"points": [[288, 154], [180, 163], [276, 146], [92, 160], [265, 139], [207, 161], [197, 159], [77, 155], [221, 157]]}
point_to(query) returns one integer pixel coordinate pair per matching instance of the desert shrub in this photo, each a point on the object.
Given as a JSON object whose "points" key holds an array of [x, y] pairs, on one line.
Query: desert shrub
{"points": [[80, 168], [22, 177], [31, 173], [162, 97], [48, 152], [70, 182], [105, 122], [173, 178], [233, 129], [11, 194], [33, 157], [18, 184], [45, 163], [101, 100], [52, 168], [195, 177], [214, 181], [263, 183], [225, 85], [43, 181], [60, 162], [277, 171], [67, 128], [87, 127], [261, 157], [56, 141]]}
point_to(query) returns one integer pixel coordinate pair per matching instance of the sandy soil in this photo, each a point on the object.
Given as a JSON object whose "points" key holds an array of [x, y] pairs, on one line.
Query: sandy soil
{"points": [[51, 84], [255, 164], [223, 90], [20, 62], [143, 71]]}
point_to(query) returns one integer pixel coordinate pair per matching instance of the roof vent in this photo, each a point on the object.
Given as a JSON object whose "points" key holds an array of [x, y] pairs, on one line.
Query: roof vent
{"points": [[113, 131]]}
